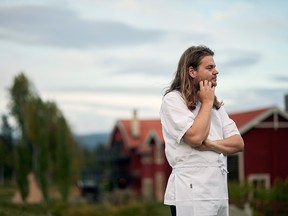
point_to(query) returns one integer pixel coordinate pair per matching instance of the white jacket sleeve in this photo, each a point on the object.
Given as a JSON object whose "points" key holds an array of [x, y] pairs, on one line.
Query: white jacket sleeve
{"points": [[229, 126], [175, 116]]}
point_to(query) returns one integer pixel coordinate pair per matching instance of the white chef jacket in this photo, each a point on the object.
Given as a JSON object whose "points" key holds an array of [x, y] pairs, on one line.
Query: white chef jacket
{"points": [[197, 175]]}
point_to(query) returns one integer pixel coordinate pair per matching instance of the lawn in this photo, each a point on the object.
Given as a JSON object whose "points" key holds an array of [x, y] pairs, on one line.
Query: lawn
{"points": [[130, 209], [79, 207]]}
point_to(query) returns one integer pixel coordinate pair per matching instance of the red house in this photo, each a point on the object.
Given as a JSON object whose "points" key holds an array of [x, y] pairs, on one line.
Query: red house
{"points": [[265, 133], [139, 163]]}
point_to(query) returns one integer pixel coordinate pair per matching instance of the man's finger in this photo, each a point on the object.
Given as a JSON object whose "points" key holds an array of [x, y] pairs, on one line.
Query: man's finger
{"points": [[201, 83], [210, 84]]}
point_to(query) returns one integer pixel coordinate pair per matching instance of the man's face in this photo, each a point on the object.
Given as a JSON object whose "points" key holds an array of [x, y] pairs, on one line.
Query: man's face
{"points": [[206, 71]]}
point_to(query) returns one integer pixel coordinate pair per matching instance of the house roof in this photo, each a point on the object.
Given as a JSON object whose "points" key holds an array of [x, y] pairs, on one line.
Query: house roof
{"points": [[148, 128], [243, 118], [249, 119]]}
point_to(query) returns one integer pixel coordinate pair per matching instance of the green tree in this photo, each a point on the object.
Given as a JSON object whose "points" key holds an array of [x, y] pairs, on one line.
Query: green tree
{"points": [[7, 150], [64, 157], [45, 143], [20, 93], [63, 160], [23, 167], [60, 134], [36, 118]]}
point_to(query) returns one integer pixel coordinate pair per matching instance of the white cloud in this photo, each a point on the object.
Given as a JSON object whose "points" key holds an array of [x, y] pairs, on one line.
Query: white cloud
{"points": [[228, 12], [95, 84], [103, 107], [61, 27]]}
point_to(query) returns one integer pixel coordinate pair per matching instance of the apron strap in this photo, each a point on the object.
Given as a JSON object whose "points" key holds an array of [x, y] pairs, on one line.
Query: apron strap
{"points": [[220, 164]]}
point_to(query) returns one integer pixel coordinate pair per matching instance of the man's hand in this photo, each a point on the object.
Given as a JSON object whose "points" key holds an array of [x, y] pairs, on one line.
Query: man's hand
{"points": [[206, 146], [206, 93], [229, 145], [199, 130]]}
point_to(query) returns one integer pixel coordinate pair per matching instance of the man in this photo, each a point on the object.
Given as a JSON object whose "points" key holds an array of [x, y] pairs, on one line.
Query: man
{"points": [[198, 134]]}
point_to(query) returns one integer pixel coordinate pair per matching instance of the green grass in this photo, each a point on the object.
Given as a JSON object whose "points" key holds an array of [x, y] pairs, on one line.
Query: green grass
{"points": [[56, 209], [128, 207], [6, 192]]}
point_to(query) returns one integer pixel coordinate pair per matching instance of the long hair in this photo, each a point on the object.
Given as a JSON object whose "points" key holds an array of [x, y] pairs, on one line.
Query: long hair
{"points": [[184, 83]]}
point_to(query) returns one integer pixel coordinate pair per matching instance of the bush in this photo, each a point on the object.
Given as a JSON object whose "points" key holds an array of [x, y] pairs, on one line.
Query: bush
{"points": [[238, 193]]}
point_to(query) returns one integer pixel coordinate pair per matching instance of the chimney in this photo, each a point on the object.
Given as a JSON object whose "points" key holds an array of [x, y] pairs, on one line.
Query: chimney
{"points": [[135, 125], [286, 103]]}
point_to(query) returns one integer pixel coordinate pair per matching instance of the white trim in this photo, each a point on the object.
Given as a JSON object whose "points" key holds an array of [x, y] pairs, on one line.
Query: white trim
{"points": [[275, 119], [147, 187], [159, 185], [258, 177], [152, 135], [146, 159], [257, 121], [241, 167], [274, 125], [119, 125], [158, 146]]}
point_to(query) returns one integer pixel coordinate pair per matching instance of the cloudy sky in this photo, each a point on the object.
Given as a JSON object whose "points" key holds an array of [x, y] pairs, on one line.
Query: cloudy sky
{"points": [[99, 60]]}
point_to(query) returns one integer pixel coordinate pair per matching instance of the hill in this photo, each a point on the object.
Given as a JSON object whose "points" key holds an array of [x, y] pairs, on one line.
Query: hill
{"points": [[91, 141]]}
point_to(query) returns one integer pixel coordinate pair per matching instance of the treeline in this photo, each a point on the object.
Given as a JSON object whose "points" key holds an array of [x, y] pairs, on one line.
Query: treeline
{"points": [[40, 141]]}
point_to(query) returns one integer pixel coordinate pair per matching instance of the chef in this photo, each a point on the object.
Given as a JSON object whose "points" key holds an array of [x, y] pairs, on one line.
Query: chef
{"points": [[198, 135]]}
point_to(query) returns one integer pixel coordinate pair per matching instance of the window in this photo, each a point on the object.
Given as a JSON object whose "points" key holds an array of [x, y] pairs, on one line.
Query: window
{"points": [[233, 167], [159, 153], [147, 187], [259, 181], [159, 185]]}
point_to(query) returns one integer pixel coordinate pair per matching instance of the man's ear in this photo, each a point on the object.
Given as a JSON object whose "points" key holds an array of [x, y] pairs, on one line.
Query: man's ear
{"points": [[192, 72]]}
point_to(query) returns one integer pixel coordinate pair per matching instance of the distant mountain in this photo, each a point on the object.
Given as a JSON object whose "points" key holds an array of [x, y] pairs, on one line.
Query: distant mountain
{"points": [[90, 141]]}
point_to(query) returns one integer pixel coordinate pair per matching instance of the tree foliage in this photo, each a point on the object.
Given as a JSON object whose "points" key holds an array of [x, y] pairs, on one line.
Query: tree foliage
{"points": [[45, 141], [23, 161], [36, 117], [20, 94], [7, 151], [63, 160]]}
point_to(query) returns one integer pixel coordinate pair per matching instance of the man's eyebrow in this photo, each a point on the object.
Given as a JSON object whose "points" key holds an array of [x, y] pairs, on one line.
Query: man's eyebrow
{"points": [[211, 65]]}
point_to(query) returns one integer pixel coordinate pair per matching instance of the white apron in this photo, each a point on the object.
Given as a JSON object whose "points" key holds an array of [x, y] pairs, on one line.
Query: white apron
{"points": [[200, 189], [198, 182]]}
